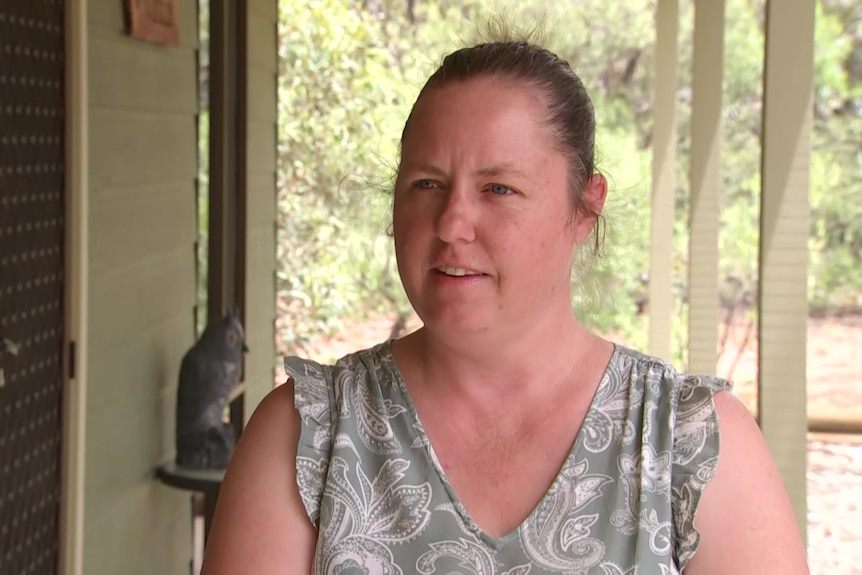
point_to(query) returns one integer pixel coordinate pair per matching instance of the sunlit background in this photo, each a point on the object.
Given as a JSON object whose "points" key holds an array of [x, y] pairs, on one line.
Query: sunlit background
{"points": [[348, 74]]}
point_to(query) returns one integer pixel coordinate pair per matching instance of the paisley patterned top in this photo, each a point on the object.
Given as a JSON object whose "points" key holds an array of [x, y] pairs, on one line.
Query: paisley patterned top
{"points": [[623, 503]]}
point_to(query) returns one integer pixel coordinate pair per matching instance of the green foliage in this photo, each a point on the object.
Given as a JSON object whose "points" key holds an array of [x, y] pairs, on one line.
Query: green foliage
{"points": [[203, 223], [350, 71], [342, 97], [611, 286], [835, 278]]}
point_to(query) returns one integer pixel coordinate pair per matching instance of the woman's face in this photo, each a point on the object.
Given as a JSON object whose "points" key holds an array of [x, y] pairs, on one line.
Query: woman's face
{"points": [[482, 214]]}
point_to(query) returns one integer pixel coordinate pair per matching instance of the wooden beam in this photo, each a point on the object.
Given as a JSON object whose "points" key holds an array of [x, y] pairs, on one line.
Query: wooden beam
{"points": [[660, 305], [220, 159], [705, 176], [784, 228]]}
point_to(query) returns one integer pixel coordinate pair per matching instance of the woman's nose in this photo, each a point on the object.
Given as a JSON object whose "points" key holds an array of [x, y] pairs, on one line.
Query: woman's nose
{"points": [[456, 219]]}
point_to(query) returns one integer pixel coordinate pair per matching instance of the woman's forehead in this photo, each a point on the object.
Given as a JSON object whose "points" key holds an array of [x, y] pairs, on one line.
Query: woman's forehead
{"points": [[497, 121]]}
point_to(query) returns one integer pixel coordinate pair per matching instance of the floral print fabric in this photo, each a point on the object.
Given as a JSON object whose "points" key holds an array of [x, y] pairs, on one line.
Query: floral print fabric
{"points": [[623, 503]]}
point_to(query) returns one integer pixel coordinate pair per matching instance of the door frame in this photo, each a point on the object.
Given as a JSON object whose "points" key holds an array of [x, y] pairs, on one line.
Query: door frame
{"points": [[71, 536]]}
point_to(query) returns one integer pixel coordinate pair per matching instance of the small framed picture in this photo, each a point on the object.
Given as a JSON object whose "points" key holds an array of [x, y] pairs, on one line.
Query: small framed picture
{"points": [[153, 20]]}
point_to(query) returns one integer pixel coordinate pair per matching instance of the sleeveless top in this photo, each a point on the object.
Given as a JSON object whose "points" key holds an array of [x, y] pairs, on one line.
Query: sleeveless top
{"points": [[623, 502]]}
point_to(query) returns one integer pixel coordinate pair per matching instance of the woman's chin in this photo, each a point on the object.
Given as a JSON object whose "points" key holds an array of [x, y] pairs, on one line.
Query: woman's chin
{"points": [[457, 324]]}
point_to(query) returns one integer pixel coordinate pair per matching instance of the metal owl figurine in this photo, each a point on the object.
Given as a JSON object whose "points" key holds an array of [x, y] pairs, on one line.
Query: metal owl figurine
{"points": [[209, 372]]}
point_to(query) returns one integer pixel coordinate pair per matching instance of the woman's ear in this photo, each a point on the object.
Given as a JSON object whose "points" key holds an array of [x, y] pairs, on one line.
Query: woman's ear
{"points": [[594, 194]]}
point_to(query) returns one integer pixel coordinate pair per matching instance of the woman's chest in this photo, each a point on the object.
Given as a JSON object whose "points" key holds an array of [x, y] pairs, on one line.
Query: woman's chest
{"points": [[401, 515], [500, 481]]}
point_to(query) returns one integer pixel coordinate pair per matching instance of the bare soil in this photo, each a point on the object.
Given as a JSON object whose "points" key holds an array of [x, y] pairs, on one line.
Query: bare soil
{"points": [[834, 389]]}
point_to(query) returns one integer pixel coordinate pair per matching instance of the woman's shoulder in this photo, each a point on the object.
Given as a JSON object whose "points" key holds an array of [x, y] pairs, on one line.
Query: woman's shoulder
{"points": [[359, 360], [319, 387], [681, 425], [645, 369]]}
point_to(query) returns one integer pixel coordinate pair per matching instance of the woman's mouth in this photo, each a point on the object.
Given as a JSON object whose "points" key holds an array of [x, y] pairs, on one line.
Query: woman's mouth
{"points": [[457, 272]]}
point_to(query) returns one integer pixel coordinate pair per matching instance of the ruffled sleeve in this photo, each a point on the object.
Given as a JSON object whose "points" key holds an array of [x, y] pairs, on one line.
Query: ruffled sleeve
{"points": [[314, 397], [695, 456]]}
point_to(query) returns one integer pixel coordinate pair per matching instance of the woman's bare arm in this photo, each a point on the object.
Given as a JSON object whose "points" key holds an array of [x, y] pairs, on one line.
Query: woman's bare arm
{"points": [[260, 525], [745, 519]]}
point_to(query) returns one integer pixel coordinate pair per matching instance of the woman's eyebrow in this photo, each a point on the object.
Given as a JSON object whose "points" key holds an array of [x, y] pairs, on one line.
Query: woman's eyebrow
{"points": [[508, 169], [424, 168]]}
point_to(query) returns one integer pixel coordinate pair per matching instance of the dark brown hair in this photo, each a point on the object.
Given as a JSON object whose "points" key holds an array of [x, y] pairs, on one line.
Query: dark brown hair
{"points": [[570, 114]]}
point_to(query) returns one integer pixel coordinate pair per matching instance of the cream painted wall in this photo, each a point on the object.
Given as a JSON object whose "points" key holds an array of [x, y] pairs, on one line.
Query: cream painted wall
{"points": [[261, 158], [142, 170]]}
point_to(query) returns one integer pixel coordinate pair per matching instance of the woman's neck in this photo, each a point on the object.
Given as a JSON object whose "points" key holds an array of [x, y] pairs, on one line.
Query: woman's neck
{"points": [[531, 368]]}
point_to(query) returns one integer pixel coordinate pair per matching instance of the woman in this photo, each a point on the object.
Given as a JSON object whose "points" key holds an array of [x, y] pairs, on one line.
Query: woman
{"points": [[502, 436]]}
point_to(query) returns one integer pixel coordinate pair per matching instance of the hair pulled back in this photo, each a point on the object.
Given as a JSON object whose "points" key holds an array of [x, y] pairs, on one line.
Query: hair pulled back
{"points": [[570, 115]]}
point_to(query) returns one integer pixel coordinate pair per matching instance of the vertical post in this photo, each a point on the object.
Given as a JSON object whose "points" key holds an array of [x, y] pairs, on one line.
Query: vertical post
{"points": [[663, 178], [261, 123], [241, 151], [76, 304], [228, 180], [784, 228], [218, 290], [240, 186], [227, 189], [705, 176]]}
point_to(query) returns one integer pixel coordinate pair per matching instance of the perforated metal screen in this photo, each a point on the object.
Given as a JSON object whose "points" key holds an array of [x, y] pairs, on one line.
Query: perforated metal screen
{"points": [[31, 282]]}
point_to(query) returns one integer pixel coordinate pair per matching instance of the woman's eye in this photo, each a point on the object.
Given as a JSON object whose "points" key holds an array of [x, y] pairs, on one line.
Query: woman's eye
{"points": [[500, 189], [424, 184]]}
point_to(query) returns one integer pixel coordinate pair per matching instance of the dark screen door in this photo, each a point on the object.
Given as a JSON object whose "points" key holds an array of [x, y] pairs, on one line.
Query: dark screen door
{"points": [[32, 282]]}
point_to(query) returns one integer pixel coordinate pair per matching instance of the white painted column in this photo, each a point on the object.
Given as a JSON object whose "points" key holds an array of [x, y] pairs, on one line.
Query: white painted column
{"points": [[663, 178], [705, 176], [73, 497], [784, 229]]}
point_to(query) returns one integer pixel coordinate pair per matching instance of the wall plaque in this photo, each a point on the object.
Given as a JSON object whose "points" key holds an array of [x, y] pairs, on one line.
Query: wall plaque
{"points": [[153, 20]]}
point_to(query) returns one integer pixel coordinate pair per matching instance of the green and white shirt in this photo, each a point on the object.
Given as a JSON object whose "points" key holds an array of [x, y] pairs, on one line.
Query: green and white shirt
{"points": [[623, 503]]}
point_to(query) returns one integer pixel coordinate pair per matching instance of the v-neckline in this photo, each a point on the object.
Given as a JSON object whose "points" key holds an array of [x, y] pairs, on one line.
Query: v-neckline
{"points": [[496, 543]]}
